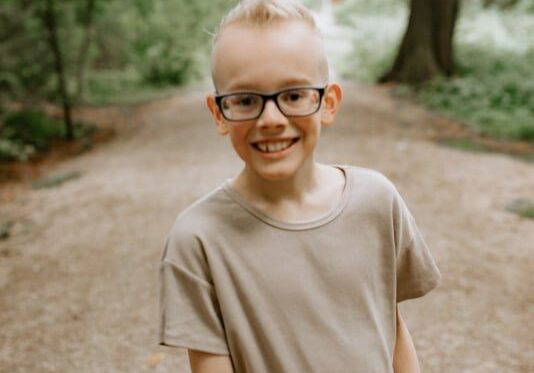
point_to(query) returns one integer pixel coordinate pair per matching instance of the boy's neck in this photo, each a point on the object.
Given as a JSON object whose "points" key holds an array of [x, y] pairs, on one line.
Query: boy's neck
{"points": [[308, 181]]}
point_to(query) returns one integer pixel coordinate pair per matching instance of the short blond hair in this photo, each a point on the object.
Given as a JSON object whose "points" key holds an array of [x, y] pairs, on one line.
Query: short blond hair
{"points": [[264, 12]]}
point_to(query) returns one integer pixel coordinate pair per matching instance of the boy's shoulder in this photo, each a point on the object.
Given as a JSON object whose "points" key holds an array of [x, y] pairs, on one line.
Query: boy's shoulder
{"points": [[370, 182], [367, 175], [203, 211], [191, 224]]}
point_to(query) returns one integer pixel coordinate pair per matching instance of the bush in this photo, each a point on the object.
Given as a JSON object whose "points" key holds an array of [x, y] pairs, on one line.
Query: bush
{"points": [[491, 91], [170, 44], [14, 151], [31, 127], [26, 132]]}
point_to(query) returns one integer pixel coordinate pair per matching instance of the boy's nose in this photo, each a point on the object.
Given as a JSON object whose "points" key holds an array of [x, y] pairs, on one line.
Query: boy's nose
{"points": [[271, 115]]}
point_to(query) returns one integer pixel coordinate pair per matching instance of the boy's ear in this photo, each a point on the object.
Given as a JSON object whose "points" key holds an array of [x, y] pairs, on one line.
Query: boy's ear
{"points": [[222, 127], [332, 101]]}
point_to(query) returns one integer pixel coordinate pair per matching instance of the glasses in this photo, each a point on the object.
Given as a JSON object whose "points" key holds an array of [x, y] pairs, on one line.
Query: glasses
{"points": [[292, 102]]}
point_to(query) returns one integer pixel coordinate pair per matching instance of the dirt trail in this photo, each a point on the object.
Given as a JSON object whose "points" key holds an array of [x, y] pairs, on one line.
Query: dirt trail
{"points": [[78, 276]]}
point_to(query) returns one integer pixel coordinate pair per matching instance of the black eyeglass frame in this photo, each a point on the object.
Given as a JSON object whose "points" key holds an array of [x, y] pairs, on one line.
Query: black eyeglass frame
{"points": [[267, 97]]}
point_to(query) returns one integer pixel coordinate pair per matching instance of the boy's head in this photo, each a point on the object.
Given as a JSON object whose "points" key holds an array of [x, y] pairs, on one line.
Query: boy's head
{"points": [[266, 47], [263, 16]]}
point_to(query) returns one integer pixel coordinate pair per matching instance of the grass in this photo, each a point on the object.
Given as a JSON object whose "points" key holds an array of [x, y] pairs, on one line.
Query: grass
{"points": [[492, 93], [51, 181], [464, 144], [523, 207], [529, 158]]}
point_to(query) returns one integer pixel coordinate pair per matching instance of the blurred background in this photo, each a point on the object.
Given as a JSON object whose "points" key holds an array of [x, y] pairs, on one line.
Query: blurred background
{"points": [[475, 62], [104, 138]]}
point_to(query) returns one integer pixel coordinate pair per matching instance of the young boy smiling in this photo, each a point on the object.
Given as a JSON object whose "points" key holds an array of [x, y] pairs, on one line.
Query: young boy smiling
{"points": [[292, 265]]}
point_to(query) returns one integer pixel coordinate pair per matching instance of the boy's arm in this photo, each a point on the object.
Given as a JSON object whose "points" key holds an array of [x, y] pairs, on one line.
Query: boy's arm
{"points": [[404, 357], [204, 362]]}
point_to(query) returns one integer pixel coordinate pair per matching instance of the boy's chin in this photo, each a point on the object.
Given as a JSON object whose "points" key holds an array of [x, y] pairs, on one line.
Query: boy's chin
{"points": [[275, 172]]}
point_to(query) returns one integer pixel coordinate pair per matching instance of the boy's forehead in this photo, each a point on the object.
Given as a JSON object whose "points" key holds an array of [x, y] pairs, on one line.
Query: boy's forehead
{"points": [[269, 57]]}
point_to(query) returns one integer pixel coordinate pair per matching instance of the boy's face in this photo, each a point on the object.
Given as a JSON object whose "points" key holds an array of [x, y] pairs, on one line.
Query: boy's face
{"points": [[267, 60]]}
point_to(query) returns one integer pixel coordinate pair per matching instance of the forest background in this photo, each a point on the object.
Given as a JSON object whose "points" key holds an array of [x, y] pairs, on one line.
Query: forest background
{"points": [[83, 219], [92, 52]]}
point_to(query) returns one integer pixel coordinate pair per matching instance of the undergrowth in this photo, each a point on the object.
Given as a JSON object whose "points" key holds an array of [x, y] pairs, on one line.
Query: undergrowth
{"points": [[492, 90], [491, 93], [27, 132]]}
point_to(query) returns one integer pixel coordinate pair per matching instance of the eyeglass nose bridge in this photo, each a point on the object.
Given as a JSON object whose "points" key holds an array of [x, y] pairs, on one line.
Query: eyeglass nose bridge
{"points": [[274, 99]]}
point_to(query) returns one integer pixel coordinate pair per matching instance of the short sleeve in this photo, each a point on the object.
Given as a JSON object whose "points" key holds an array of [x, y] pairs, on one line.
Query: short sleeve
{"points": [[190, 315], [417, 272]]}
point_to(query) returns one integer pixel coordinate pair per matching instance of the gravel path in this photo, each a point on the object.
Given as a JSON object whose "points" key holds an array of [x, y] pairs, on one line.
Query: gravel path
{"points": [[78, 275]]}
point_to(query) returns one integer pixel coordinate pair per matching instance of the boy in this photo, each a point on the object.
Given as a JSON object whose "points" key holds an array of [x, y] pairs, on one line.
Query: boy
{"points": [[292, 266]]}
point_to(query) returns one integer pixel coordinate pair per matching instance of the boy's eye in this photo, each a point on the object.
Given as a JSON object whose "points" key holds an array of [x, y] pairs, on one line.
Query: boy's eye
{"points": [[293, 96], [243, 100]]}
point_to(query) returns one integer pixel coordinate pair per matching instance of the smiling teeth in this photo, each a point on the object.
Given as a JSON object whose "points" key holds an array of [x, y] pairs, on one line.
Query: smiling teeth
{"points": [[274, 146]]}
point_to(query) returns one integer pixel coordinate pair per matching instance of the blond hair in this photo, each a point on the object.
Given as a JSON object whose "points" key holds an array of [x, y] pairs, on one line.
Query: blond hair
{"points": [[264, 12]]}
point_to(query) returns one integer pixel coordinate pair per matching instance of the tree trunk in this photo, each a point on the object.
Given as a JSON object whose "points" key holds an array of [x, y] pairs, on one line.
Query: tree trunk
{"points": [[53, 40], [426, 48], [84, 49]]}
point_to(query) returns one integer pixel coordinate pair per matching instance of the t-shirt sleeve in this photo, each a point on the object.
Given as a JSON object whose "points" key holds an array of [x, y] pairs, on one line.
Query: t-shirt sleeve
{"points": [[417, 272], [190, 315]]}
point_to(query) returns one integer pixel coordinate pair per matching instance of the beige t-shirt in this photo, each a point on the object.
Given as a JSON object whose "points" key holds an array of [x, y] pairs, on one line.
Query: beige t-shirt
{"points": [[315, 296]]}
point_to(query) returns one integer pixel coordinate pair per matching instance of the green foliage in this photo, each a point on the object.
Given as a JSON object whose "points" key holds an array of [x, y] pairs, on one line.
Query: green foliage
{"points": [[493, 86], [164, 42], [169, 43], [31, 127], [109, 85], [149, 44], [26, 65], [121, 87], [15, 151], [522, 206], [350, 11], [491, 92], [522, 5], [464, 144], [25, 132]]}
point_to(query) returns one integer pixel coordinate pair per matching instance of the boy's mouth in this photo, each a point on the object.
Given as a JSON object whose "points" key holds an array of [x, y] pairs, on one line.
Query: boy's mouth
{"points": [[274, 146]]}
